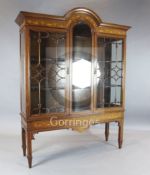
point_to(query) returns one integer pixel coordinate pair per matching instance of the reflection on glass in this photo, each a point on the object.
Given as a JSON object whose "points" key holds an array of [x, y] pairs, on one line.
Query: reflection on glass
{"points": [[81, 67], [47, 72], [109, 82], [81, 79]]}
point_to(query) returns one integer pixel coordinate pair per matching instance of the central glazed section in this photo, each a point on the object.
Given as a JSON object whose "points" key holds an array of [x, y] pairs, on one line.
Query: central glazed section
{"points": [[81, 67]]}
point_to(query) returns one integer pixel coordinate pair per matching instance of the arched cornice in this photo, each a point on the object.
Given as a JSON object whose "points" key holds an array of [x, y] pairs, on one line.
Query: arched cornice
{"points": [[73, 16], [83, 12]]}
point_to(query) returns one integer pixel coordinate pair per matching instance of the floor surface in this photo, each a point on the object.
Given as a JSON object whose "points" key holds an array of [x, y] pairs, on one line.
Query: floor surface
{"points": [[71, 153]]}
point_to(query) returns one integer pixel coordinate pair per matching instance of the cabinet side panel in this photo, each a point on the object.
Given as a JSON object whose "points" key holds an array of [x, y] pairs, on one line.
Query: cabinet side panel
{"points": [[22, 72]]}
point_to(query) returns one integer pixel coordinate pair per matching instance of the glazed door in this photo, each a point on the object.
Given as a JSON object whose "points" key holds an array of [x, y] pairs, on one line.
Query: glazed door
{"points": [[47, 72], [81, 66], [109, 72]]}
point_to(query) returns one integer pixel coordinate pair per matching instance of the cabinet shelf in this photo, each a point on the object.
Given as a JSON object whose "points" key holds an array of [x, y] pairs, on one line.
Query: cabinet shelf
{"points": [[109, 86], [108, 61], [47, 89], [54, 88], [48, 60]]}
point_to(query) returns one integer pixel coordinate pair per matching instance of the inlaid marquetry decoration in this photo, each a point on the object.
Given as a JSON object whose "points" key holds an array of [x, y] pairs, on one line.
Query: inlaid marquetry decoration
{"points": [[65, 21]]}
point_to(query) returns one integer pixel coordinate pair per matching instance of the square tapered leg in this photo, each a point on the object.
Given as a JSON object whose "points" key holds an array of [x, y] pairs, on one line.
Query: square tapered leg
{"points": [[29, 148], [24, 141], [106, 131], [120, 133]]}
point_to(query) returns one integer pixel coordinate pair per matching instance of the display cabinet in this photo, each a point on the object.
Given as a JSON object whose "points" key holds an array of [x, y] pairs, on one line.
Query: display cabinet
{"points": [[72, 73]]}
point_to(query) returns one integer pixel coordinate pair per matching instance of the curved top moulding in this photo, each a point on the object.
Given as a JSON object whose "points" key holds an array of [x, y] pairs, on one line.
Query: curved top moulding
{"points": [[84, 12], [76, 14]]}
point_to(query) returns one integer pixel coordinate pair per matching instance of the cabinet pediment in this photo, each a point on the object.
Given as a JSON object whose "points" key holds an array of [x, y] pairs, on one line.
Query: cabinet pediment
{"points": [[64, 22]]}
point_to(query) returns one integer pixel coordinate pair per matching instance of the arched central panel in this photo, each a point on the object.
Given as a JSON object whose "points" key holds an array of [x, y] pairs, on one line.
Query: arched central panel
{"points": [[81, 67]]}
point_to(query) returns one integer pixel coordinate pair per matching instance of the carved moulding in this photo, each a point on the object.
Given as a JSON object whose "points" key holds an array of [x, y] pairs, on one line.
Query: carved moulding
{"points": [[64, 22]]}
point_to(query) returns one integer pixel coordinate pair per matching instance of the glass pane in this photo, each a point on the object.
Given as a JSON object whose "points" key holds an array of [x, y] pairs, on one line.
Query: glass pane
{"points": [[109, 72], [81, 67], [48, 77], [22, 60]]}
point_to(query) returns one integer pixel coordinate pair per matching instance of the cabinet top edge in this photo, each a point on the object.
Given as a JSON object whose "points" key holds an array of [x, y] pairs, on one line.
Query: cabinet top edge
{"points": [[23, 15]]}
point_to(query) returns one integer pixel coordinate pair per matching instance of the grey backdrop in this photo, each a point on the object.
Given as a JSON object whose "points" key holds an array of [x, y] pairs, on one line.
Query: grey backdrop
{"points": [[135, 13]]}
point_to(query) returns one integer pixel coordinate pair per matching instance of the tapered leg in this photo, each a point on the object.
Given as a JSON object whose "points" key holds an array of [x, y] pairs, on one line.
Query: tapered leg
{"points": [[29, 148], [120, 134], [24, 141], [106, 131]]}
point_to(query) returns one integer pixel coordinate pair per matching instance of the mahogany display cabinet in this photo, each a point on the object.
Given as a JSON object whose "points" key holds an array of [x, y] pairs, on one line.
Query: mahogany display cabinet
{"points": [[72, 73]]}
